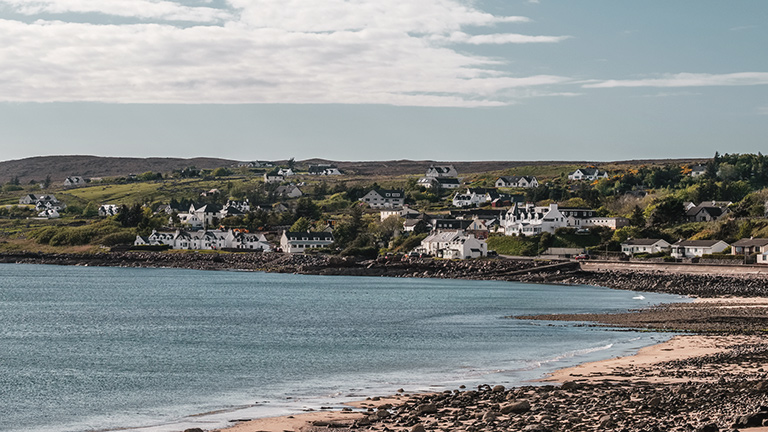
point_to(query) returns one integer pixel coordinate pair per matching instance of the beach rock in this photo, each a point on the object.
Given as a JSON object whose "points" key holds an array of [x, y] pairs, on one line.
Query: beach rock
{"points": [[193, 430], [518, 407], [418, 428], [499, 388], [427, 409]]}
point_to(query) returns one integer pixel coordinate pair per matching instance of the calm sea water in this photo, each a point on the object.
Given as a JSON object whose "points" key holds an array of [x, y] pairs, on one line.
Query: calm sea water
{"points": [[85, 348]]}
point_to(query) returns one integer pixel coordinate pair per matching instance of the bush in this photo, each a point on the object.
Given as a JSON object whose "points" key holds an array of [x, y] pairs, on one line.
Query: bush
{"points": [[118, 238], [368, 252]]}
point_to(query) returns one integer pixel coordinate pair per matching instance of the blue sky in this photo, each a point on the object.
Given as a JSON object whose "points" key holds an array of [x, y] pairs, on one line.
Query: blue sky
{"points": [[384, 79]]}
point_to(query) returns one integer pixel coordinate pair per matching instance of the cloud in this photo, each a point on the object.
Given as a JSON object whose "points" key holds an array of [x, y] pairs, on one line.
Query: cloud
{"points": [[688, 80], [262, 51], [141, 9], [499, 38]]}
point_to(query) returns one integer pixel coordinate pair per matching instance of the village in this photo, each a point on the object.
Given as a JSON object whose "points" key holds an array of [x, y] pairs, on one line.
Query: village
{"points": [[438, 215]]}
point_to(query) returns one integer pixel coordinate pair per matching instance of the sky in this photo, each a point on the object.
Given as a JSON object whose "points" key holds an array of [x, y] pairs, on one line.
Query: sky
{"points": [[447, 80]]}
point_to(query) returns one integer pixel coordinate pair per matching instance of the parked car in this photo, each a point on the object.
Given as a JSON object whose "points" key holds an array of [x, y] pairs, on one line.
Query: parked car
{"points": [[582, 257], [493, 253]]}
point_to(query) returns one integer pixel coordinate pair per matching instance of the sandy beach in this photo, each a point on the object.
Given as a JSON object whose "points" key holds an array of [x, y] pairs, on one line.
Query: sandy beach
{"points": [[692, 382]]}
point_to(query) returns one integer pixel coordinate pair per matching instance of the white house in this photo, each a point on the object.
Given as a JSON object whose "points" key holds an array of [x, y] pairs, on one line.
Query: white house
{"points": [[285, 172], [273, 177], [288, 191], [697, 248], [206, 240], [404, 212], [517, 182], [698, 170], [649, 246], [587, 174], [530, 220], [108, 210], [74, 181], [749, 246], [442, 171], [49, 213], [453, 245], [298, 242], [190, 219], [384, 198], [706, 211], [243, 206]]}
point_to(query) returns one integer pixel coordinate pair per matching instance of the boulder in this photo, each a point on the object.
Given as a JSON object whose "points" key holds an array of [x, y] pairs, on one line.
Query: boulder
{"points": [[518, 407]]}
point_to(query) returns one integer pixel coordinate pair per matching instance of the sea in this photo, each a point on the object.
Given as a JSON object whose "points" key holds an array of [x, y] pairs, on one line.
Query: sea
{"points": [[157, 350]]}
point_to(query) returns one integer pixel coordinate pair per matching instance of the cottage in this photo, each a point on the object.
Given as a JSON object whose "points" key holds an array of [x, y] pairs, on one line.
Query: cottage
{"points": [[517, 182], [706, 211], [384, 198], [697, 248], [288, 191], [298, 242], [649, 246], [285, 172], [698, 170], [49, 214], [587, 174], [108, 210], [74, 181], [749, 246], [442, 171], [453, 245], [273, 177], [404, 212]]}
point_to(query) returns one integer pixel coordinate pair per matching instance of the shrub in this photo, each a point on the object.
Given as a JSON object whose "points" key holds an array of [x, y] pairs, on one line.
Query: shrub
{"points": [[118, 238]]}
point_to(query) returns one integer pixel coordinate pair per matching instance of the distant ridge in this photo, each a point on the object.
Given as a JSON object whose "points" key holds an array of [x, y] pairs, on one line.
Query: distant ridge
{"points": [[61, 167]]}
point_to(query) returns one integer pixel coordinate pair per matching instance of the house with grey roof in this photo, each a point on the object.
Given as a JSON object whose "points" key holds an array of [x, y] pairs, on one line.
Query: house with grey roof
{"points": [[697, 248], [707, 211], [587, 174], [749, 246], [649, 246], [517, 182], [384, 198]]}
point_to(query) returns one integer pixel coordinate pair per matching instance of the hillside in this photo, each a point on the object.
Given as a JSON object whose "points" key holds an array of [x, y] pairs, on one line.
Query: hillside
{"points": [[60, 167]]}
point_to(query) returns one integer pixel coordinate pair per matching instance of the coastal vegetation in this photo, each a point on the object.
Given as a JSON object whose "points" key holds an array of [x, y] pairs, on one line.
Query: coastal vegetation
{"points": [[651, 194]]}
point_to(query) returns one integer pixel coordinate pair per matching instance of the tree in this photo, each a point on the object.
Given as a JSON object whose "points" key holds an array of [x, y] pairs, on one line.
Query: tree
{"points": [[91, 210], [291, 163], [301, 225], [669, 210], [638, 218], [220, 172], [47, 182], [307, 208]]}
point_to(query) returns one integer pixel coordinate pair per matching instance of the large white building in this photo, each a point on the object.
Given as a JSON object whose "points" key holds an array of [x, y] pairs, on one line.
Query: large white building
{"points": [[531, 220], [206, 240], [298, 242]]}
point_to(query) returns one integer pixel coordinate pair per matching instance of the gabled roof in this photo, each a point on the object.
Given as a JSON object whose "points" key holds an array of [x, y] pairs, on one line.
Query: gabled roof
{"points": [[447, 180], [641, 242], [393, 193], [745, 242], [697, 243], [319, 235]]}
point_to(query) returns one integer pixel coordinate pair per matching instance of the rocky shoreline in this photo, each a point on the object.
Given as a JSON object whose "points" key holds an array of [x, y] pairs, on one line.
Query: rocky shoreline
{"points": [[522, 270], [722, 392]]}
